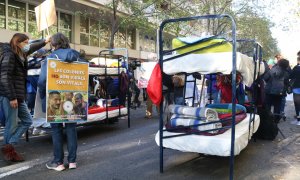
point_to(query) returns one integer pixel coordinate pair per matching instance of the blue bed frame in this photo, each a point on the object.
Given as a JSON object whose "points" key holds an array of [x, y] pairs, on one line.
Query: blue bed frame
{"points": [[161, 61]]}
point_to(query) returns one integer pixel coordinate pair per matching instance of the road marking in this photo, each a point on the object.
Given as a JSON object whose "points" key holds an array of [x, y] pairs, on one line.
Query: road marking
{"points": [[14, 171]]}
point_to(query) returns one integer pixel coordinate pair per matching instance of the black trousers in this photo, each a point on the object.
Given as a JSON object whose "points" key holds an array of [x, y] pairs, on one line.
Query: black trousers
{"points": [[275, 101], [297, 105]]}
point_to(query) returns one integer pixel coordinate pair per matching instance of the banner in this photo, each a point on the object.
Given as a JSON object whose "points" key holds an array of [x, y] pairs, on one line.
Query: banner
{"points": [[67, 91], [45, 15]]}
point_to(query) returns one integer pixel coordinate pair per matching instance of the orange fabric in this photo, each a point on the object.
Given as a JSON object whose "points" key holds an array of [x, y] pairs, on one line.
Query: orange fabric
{"points": [[154, 88]]}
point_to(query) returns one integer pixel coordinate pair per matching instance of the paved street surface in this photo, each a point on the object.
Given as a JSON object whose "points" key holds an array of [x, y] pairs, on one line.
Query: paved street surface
{"points": [[115, 152]]}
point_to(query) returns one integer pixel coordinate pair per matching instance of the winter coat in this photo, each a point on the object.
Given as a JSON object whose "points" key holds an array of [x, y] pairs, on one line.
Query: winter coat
{"points": [[65, 55], [13, 71], [276, 80], [295, 75]]}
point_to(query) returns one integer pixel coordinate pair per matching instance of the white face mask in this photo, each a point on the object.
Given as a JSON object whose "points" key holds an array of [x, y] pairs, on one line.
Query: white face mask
{"points": [[26, 48]]}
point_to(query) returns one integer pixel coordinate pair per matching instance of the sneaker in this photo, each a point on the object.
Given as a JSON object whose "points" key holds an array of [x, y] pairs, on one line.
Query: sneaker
{"points": [[72, 165], [55, 166]]}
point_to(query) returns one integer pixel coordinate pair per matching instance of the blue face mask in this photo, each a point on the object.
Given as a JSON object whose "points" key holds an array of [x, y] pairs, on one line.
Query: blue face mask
{"points": [[26, 48]]}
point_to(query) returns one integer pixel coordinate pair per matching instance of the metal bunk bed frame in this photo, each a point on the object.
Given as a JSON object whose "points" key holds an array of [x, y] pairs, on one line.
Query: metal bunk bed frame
{"points": [[119, 58], [161, 61]]}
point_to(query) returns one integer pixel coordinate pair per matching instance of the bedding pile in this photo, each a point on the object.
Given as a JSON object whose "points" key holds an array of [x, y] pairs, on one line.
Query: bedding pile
{"points": [[189, 119]]}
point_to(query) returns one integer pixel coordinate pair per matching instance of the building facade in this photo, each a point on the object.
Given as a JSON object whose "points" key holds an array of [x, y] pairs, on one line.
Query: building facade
{"points": [[84, 22]]}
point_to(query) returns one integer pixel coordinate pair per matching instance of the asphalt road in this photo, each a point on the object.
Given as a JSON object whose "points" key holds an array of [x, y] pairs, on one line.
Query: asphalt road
{"points": [[115, 152]]}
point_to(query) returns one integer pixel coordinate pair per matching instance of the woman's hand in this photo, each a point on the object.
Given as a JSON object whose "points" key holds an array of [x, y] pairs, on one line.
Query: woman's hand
{"points": [[48, 39], [14, 103]]}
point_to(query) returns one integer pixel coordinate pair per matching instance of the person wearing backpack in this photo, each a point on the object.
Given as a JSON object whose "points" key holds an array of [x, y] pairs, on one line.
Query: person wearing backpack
{"points": [[277, 80], [62, 51], [13, 74]]}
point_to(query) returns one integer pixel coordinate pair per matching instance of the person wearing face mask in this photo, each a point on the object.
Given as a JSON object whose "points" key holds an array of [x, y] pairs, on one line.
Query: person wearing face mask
{"points": [[13, 74]]}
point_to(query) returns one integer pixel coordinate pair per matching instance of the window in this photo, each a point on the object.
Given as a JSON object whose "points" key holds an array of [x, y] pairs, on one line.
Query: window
{"points": [[104, 35], [84, 30], [32, 27], [2, 14], [152, 44], [16, 15], [65, 25], [130, 40], [120, 38], [94, 33]]}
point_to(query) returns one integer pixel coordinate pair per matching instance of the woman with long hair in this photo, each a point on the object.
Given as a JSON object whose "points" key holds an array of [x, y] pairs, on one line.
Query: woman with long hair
{"points": [[13, 74]]}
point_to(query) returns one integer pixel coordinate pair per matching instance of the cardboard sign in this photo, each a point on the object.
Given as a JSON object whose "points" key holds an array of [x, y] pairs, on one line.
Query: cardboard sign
{"points": [[67, 91], [45, 15]]}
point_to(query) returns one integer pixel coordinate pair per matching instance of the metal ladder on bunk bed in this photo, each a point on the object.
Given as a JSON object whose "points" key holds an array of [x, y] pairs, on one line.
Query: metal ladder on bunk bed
{"points": [[161, 60]]}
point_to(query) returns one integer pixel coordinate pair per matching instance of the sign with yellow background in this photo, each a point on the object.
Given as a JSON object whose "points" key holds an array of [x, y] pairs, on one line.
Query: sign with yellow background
{"points": [[67, 91]]}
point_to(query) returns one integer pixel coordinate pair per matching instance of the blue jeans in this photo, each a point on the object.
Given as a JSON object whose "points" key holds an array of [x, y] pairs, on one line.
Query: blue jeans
{"points": [[14, 130], [57, 139]]}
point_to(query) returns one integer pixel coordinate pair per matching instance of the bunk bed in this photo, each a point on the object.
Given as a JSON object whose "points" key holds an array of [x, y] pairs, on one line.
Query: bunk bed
{"points": [[108, 65], [203, 129], [103, 109]]}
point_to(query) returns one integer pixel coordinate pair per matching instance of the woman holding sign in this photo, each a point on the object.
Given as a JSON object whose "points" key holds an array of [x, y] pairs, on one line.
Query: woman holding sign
{"points": [[13, 74], [63, 52]]}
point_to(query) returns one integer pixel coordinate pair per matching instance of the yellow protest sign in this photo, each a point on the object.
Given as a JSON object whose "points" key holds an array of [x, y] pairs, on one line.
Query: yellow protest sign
{"points": [[67, 91]]}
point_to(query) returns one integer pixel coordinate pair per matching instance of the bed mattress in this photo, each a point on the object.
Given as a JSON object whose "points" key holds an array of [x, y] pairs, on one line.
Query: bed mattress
{"points": [[101, 71], [219, 145], [212, 63], [92, 71], [102, 116]]}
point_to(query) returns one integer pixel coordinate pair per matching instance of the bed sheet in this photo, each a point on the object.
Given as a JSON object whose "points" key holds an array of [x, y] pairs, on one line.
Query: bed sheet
{"points": [[101, 71], [101, 116], [218, 145], [41, 122], [212, 63]]}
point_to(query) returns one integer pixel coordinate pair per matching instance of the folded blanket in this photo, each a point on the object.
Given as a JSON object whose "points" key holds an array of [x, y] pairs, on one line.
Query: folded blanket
{"points": [[207, 113], [226, 107], [221, 45], [192, 122]]}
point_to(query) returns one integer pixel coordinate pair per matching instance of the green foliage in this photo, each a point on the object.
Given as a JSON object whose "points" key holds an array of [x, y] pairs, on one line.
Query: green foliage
{"points": [[146, 15]]}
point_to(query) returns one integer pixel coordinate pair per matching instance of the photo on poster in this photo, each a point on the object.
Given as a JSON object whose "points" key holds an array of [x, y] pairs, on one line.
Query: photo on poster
{"points": [[67, 91], [67, 106]]}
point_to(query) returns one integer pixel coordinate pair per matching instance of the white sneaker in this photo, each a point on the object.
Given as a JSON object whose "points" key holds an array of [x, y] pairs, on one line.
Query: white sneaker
{"points": [[72, 165], [55, 166]]}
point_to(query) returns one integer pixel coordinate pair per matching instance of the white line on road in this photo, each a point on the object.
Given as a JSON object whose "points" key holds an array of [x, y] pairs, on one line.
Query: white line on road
{"points": [[14, 171]]}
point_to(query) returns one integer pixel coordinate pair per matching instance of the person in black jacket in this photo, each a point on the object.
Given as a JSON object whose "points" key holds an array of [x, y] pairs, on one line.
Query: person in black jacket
{"points": [[276, 86], [13, 74], [295, 78]]}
